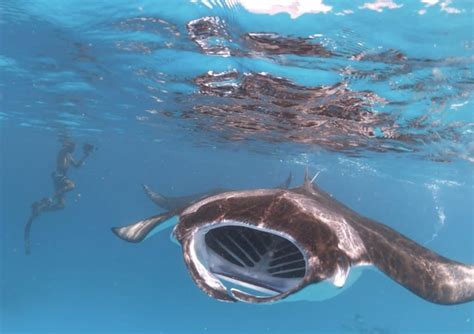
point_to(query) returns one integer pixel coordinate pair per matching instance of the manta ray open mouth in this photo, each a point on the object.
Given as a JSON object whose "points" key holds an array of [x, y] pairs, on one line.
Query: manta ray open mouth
{"points": [[256, 259]]}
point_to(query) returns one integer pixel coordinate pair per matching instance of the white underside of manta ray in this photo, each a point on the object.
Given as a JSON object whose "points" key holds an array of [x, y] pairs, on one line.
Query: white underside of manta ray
{"points": [[267, 245]]}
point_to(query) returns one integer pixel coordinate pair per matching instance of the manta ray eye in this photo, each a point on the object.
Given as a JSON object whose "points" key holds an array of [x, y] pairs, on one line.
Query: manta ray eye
{"points": [[258, 260]]}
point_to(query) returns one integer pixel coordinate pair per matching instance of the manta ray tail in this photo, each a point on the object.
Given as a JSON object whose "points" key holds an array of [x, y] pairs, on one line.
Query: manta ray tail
{"points": [[142, 229], [425, 273]]}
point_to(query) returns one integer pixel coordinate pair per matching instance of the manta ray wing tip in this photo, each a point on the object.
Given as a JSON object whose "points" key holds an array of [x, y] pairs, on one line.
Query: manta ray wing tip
{"points": [[123, 233]]}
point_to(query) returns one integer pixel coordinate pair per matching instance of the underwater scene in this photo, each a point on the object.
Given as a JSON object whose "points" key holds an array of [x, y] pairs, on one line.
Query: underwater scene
{"points": [[237, 166]]}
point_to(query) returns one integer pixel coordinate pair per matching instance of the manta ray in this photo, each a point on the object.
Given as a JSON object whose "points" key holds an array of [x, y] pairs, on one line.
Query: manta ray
{"points": [[265, 245]]}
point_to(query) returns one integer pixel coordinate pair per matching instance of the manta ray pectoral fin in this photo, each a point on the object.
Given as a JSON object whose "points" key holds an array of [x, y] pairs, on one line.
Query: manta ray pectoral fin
{"points": [[181, 202], [145, 228], [427, 274], [161, 200]]}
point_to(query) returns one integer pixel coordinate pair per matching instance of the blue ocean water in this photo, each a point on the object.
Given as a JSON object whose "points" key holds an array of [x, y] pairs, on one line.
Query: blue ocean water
{"points": [[186, 96]]}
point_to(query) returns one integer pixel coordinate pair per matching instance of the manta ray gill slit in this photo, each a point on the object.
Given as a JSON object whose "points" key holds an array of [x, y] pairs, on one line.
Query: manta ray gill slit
{"points": [[257, 260]]}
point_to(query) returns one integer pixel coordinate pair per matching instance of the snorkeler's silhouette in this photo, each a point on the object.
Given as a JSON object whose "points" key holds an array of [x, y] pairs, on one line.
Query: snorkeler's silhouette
{"points": [[62, 184]]}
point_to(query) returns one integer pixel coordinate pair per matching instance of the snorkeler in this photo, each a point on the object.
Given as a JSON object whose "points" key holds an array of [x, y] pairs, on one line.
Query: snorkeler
{"points": [[62, 184]]}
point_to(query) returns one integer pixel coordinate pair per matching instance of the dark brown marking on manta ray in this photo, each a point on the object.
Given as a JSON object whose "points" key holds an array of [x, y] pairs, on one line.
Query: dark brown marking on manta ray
{"points": [[221, 233]]}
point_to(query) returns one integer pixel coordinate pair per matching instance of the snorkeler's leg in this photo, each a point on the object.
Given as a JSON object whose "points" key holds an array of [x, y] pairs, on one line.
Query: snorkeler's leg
{"points": [[27, 233], [68, 185], [63, 186], [59, 203], [59, 197], [36, 209]]}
